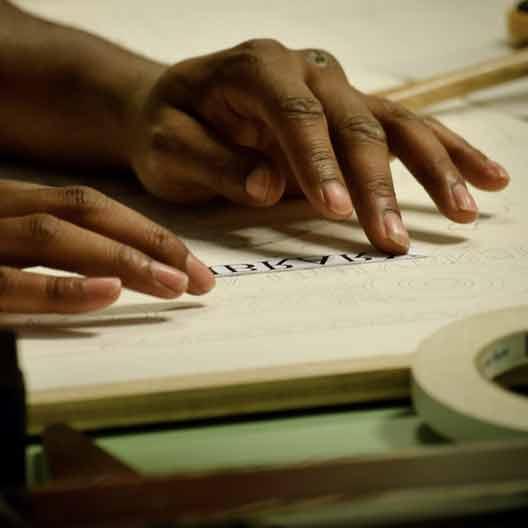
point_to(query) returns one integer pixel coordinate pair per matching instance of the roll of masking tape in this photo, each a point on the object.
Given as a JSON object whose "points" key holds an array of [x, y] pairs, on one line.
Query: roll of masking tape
{"points": [[453, 371]]}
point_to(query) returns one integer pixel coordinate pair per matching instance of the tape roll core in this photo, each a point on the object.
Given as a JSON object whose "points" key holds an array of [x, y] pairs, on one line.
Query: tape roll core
{"points": [[452, 377]]}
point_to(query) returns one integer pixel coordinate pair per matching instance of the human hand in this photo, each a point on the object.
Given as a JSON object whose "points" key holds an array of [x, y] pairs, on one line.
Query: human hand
{"points": [[81, 230], [250, 121]]}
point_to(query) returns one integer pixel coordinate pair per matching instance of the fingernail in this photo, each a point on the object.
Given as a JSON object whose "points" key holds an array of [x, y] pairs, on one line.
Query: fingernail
{"points": [[258, 183], [202, 280], [170, 278], [102, 287], [336, 197], [463, 199], [499, 171], [395, 229]]}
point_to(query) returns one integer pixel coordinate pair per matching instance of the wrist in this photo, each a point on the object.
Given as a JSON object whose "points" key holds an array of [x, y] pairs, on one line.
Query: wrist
{"points": [[134, 92]]}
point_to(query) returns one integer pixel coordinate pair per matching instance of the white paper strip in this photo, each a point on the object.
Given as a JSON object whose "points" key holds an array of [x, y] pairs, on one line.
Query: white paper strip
{"points": [[302, 263]]}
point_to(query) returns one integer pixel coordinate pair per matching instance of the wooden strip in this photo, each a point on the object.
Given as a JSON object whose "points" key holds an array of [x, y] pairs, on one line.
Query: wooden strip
{"points": [[419, 94], [481, 470], [227, 394]]}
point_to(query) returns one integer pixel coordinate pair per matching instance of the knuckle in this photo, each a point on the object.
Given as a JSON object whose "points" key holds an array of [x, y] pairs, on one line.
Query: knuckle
{"points": [[59, 288], [379, 187], [242, 62], [323, 159], [43, 227], [126, 257], [394, 111], [321, 155], [262, 45], [321, 57], [301, 108], [84, 198], [327, 53], [250, 59], [362, 129], [159, 238]]}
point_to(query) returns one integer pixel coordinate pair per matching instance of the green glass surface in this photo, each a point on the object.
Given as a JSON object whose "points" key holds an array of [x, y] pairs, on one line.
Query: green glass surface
{"points": [[280, 439]]}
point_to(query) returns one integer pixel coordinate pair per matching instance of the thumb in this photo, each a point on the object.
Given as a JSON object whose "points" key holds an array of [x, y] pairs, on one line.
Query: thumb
{"points": [[189, 162], [264, 184]]}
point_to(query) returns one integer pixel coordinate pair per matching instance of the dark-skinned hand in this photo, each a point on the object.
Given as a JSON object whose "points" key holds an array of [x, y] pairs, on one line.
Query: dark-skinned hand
{"points": [[258, 119], [249, 124], [81, 230]]}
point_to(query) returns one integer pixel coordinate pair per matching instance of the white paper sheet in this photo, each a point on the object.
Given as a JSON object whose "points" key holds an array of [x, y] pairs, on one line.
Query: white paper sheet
{"points": [[318, 315]]}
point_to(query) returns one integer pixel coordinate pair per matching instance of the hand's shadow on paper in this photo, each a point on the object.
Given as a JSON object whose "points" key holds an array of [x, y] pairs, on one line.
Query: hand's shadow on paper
{"points": [[77, 326], [256, 230], [430, 210], [233, 227]]}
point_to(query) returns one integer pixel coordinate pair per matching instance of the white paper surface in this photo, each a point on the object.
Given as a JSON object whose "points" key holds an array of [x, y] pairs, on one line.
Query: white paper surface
{"points": [[316, 315]]}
